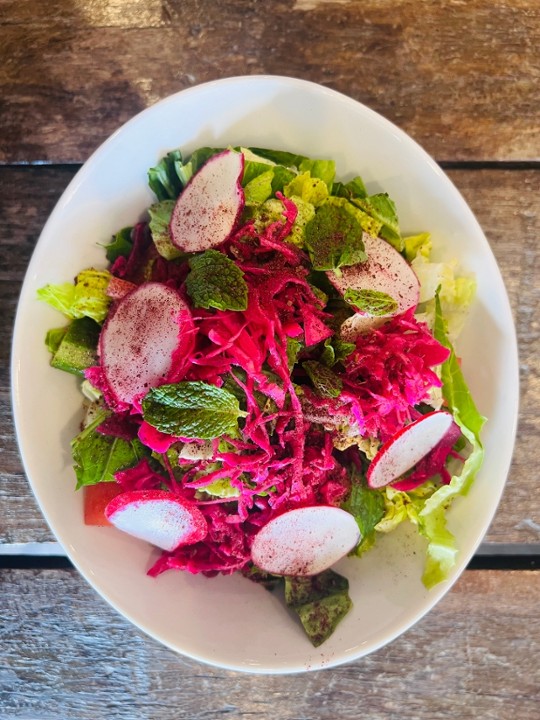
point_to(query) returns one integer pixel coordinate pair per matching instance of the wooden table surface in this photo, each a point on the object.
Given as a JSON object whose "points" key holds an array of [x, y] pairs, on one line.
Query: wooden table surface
{"points": [[462, 77]]}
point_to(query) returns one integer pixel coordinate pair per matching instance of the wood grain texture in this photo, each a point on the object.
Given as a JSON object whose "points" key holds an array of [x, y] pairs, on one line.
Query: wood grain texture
{"points": [[507, 205], [471, 657], [463, 78]]}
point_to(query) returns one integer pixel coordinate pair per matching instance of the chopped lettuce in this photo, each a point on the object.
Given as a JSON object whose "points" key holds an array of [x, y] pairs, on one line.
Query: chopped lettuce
{"points": [[417, 245], [456, 292], [160, 217], [87, 297], [309, 189], [98, 457], [383, 209], [432, 521], [259, 188], [426, 506]]}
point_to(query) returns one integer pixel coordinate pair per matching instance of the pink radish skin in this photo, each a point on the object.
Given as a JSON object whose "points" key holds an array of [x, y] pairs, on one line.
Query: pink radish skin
{"points": [[305, 541], [157, 516], [407, 447], [139, 338], [206, 212], [386, 271]]}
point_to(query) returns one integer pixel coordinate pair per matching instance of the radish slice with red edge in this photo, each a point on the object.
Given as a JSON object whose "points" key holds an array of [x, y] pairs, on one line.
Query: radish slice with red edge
{"points": [[139, 338], [386, 271], [407, 447], [157, 516], [206, 211], [305, 541]]}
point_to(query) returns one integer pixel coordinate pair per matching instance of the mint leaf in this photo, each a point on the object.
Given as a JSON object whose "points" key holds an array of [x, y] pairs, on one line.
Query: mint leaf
{"points": [[192, 410], [372, 302], [98, 457], [325, 381], [335, 350], [293, 350], [320, 601], [215, 281], [367, 508], [334, 238]]}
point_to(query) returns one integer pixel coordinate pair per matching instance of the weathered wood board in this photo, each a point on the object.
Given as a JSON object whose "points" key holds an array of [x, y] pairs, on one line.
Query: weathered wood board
{"points": [[463, 78]]}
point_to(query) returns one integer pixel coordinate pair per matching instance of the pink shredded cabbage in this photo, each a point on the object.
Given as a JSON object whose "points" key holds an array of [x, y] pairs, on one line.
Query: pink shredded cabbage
{"points": [[285, 456]]}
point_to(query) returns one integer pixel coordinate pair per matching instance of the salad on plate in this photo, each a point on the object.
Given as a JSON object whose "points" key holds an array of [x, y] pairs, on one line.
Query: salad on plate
{"points": [[269, 377]]}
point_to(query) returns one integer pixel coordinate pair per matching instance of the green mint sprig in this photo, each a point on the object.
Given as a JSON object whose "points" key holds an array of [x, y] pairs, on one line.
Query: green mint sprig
{"points": [[371, 302], [192, 410]]}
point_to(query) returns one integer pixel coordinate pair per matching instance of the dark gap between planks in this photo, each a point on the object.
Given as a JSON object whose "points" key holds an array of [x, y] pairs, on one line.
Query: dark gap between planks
{"points": [[444, 164], [515, 561]]}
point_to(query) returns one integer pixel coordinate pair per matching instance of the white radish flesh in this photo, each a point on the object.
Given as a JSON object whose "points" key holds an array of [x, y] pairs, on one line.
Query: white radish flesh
{"points": [[407, 447], [157, 516], [305, 541], [139, 338], [386, 271], [206, 212]]}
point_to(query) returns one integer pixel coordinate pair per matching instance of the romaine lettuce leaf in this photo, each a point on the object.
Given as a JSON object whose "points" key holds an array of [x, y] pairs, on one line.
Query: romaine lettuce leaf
{"points": [[432, 520], [98, 457], [160, 217], [87, 297], [383, 209]]}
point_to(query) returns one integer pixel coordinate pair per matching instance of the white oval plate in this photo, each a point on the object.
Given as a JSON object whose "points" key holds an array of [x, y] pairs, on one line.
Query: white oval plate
{"points": [[228, 621]]}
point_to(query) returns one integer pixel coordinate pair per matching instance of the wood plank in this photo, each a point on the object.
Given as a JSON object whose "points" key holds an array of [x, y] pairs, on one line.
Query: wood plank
{"points": [[507, 205], [461, 77], [467, 659]]}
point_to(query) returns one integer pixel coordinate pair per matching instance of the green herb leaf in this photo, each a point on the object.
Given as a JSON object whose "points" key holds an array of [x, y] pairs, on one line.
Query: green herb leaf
{"points": [[367, 507], [192, 410], [372, 302], [320, 601], [293, 350], [326, 382], [216, 281], [334, 238], [98, 457], [120, 246]]}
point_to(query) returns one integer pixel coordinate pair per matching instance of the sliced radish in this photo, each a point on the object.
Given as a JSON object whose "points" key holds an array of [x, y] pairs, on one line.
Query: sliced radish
{"points": [[385, 271], [158, 517], [139, 338], [305, 541], [407, 447], [207, 210]]}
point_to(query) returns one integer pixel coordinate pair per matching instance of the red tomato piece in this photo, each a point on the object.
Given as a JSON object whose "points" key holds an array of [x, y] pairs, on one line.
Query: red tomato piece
{"points": [[96, 498]]}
